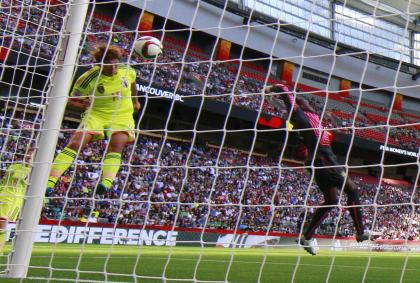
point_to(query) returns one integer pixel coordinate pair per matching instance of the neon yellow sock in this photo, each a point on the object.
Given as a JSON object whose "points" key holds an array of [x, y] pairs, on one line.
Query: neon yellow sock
{"points": [[2, 240], [61, 163], [107, 182], [111, 165], [51, 182]]}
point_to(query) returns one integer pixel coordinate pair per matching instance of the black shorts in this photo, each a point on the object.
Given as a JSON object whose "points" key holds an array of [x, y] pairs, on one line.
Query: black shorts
{"points": [[328, 177]]}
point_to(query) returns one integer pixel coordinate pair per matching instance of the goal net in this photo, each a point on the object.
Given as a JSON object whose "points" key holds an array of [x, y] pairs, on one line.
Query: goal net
{"points": [[217, 165]]}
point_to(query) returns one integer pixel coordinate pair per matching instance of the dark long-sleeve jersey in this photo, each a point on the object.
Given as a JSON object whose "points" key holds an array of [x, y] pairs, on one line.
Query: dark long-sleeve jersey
{"points": [[304, 119]]}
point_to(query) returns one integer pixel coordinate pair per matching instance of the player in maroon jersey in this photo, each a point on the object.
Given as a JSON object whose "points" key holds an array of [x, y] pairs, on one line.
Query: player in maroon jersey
{"points": [[331, 179]]}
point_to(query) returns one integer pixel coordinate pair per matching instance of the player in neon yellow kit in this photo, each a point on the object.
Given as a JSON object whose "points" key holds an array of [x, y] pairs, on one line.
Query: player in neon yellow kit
{"points": [[108, 94], [12, 191]]}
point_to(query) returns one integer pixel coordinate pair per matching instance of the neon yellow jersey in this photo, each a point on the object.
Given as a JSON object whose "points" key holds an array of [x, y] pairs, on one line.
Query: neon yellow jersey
{"points": [[16, 178], [110, 95]]}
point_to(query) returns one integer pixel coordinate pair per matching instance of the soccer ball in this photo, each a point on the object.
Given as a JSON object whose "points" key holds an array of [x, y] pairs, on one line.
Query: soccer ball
{"points": [[148, 47]]}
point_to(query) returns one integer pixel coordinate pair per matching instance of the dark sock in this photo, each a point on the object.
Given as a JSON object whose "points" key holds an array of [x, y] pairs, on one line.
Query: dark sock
{"points": [[355, 212], [317, 219]]}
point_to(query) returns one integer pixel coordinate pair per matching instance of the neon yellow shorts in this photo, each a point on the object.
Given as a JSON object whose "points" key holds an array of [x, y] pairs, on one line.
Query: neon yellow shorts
{"points": [[100, 125], [10, 204]]}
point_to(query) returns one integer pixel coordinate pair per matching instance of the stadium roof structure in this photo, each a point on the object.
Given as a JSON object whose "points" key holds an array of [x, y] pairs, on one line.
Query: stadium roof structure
{"points": [[389, 10], [400, 5], [400, 8]]}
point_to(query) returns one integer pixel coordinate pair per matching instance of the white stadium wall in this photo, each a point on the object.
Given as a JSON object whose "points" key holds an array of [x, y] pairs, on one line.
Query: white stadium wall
{"points": [[334, 83], [411, 104], [208, 19]]}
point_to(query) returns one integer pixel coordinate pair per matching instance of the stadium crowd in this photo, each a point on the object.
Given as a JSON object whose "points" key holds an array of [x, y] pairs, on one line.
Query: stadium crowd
{"points": [[171, 183], [217, 193], [223, 80]]}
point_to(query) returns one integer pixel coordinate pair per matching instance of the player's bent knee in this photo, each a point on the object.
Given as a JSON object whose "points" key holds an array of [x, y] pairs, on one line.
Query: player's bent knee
{"points": [[118, 141], [75, 145], [79, 140], [350, 186]]}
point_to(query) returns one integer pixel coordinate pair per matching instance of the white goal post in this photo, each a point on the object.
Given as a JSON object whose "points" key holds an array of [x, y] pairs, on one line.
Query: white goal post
{"points": [[61, 80]]}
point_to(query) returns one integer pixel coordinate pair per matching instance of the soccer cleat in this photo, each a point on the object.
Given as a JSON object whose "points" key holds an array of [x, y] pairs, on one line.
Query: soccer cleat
{"points": [[101, 189], [48, 193], [362, 237], [366, 235], [308, 245]]}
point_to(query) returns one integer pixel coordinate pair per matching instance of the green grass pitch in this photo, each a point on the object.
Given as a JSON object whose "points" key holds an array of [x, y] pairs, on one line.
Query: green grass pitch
{"points": [[149, 264]]}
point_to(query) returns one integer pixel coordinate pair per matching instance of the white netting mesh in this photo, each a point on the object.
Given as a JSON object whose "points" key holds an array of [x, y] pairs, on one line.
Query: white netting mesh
{"points": [[214, 172]]}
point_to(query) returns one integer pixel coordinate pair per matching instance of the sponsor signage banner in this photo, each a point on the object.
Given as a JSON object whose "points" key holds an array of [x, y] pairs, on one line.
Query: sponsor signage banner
{"points": [[224, 50], [398, 151], [100, 235], [104, 234], [146, 21], [150, 90]]}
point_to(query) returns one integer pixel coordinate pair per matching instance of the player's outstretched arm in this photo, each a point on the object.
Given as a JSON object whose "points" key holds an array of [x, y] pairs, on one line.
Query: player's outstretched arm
{"points": [[288, 98], [79, 102], [83, 87], [282, 92]]}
